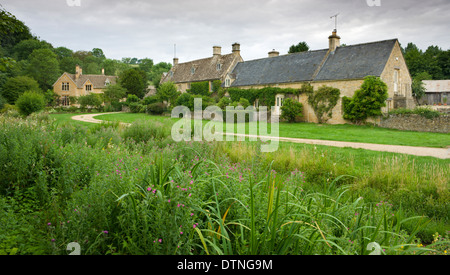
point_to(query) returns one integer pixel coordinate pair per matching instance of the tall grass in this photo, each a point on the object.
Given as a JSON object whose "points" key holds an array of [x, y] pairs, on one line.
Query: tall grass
{"points": [[114, 194]]}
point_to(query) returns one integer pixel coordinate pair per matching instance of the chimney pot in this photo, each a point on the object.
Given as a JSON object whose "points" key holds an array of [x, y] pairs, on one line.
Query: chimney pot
{"points": [[274, 53], [334, 41], [236, 48], [175, 61], [217, 51]]}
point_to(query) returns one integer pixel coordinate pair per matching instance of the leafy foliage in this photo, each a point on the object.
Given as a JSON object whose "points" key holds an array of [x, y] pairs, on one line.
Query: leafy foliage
{"points": [[291, 110], [367, 101], [30, 102], [300, 47], [16, 86], [323, 102]]}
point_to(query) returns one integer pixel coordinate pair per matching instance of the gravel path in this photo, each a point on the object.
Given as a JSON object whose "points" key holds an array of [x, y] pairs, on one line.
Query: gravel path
{"points": [[441, 153]]}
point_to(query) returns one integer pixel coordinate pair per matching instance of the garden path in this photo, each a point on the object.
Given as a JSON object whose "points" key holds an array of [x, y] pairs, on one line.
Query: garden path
{"points": [[442, 153]]}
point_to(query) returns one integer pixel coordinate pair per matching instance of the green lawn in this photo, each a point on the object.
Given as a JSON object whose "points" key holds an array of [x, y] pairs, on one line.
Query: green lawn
{"points": [[67, 118], [350, 133]]}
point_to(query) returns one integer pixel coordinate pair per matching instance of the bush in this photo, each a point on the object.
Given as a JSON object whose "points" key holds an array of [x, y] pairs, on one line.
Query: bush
{"points": [[156, 108], [30, 102], [291, 110], [132, 98], [144, 131], [136, 107], [150, 100], [90, 101], [16, 86], [186, 100], [422, 111], [367, 101]]}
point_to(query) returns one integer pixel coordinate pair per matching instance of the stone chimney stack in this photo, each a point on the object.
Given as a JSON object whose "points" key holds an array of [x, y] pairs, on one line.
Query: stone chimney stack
{"points": [[78, 71], [103, 71], [334, 41], [274, 53], [217, 51], [236, 48], [175, 61]]}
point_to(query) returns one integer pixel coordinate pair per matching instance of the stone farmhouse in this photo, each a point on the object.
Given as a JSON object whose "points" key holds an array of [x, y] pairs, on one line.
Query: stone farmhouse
{"points": [[78, 84], [341, 67], [217, 67]]}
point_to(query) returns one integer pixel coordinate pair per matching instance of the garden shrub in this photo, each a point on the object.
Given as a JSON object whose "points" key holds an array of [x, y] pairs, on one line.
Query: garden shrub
{"points": [[291, 110], [30, 102], [367, 101], [323, 102], [156, 108]]}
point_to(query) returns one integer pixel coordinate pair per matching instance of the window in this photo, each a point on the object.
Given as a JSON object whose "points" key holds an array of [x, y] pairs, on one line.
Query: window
{"points": [[192, 70], [88, 88], [227, 82], [396, 74], [65, 101], [107, 82], [65, 86], [219, 66]]}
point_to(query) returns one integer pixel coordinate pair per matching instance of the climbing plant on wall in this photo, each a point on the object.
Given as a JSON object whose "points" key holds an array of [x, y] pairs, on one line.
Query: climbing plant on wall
{"points": [[323, 102]]}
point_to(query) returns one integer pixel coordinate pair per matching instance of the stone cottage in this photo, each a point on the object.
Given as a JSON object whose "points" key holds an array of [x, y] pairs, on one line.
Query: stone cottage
{"points": [[217, 67], [78, 84]]}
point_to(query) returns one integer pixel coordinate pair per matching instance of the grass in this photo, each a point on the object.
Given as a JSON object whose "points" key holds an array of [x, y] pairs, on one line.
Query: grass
{"points": [[64, 119], [117, 191], [349, 133]]}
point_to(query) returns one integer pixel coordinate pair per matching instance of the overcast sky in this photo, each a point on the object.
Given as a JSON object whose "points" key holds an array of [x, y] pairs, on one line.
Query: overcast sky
{"points": [[149, 29]]}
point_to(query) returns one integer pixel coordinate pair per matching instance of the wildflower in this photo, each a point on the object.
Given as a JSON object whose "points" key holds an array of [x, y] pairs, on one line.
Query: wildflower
{"points": [[194, 225], [149, 189], [49, 223], [168, 201], [105, 232], [53, 240], [160, 240], [192, 214], [181, 233]]}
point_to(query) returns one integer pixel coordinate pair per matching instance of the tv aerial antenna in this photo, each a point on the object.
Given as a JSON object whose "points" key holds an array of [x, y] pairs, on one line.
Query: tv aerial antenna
{"points": [[335, 20]]}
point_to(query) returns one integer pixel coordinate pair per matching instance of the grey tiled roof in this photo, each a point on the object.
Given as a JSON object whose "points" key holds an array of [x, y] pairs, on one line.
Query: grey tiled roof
{"points": [[350, 62], [205, 69], [295, 67], [98, 81], [357, 61]]}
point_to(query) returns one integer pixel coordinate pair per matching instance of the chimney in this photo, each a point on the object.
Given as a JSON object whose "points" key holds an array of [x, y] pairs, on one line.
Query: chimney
{"points": [[335, 41], [236, 48], [274, 53], [103, 71], [78, 71], [217, 51], [175, 61]]}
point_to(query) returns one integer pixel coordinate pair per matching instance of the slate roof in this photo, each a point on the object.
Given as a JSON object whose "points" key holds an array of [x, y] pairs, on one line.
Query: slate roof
{"points": [[350, 62], [295, 67], [98, 81], [205, 69], [357, 61]]}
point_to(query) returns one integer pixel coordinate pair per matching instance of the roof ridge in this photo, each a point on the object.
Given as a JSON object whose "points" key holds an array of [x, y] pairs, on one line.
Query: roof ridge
{"points": [[203, 59]]}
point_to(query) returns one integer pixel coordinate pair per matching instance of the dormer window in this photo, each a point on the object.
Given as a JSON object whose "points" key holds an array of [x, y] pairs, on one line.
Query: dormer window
{"points": [[219, 66], [193, 70], [107, 82], [88, 88]]}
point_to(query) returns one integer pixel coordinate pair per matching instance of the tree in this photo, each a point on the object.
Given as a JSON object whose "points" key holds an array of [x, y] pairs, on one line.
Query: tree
{"points": [[63, 52], [168, 92], [44, 67], [114, 93], [12, 30], [24, 49], [418, 89], [300, 47], [135, 81], [16, 86], [96, 52], [30, 102], [291, 110], [443, 61], [90, 101], [367, 101]]}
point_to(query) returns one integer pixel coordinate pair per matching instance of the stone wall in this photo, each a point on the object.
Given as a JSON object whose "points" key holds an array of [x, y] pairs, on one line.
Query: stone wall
{"points": [[413, 122]]}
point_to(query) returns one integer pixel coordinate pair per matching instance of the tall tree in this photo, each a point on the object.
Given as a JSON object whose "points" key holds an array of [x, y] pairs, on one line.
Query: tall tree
{"points": [[12, 30], [135, 81], [25, 47], [44, 67], [300, 47]]}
